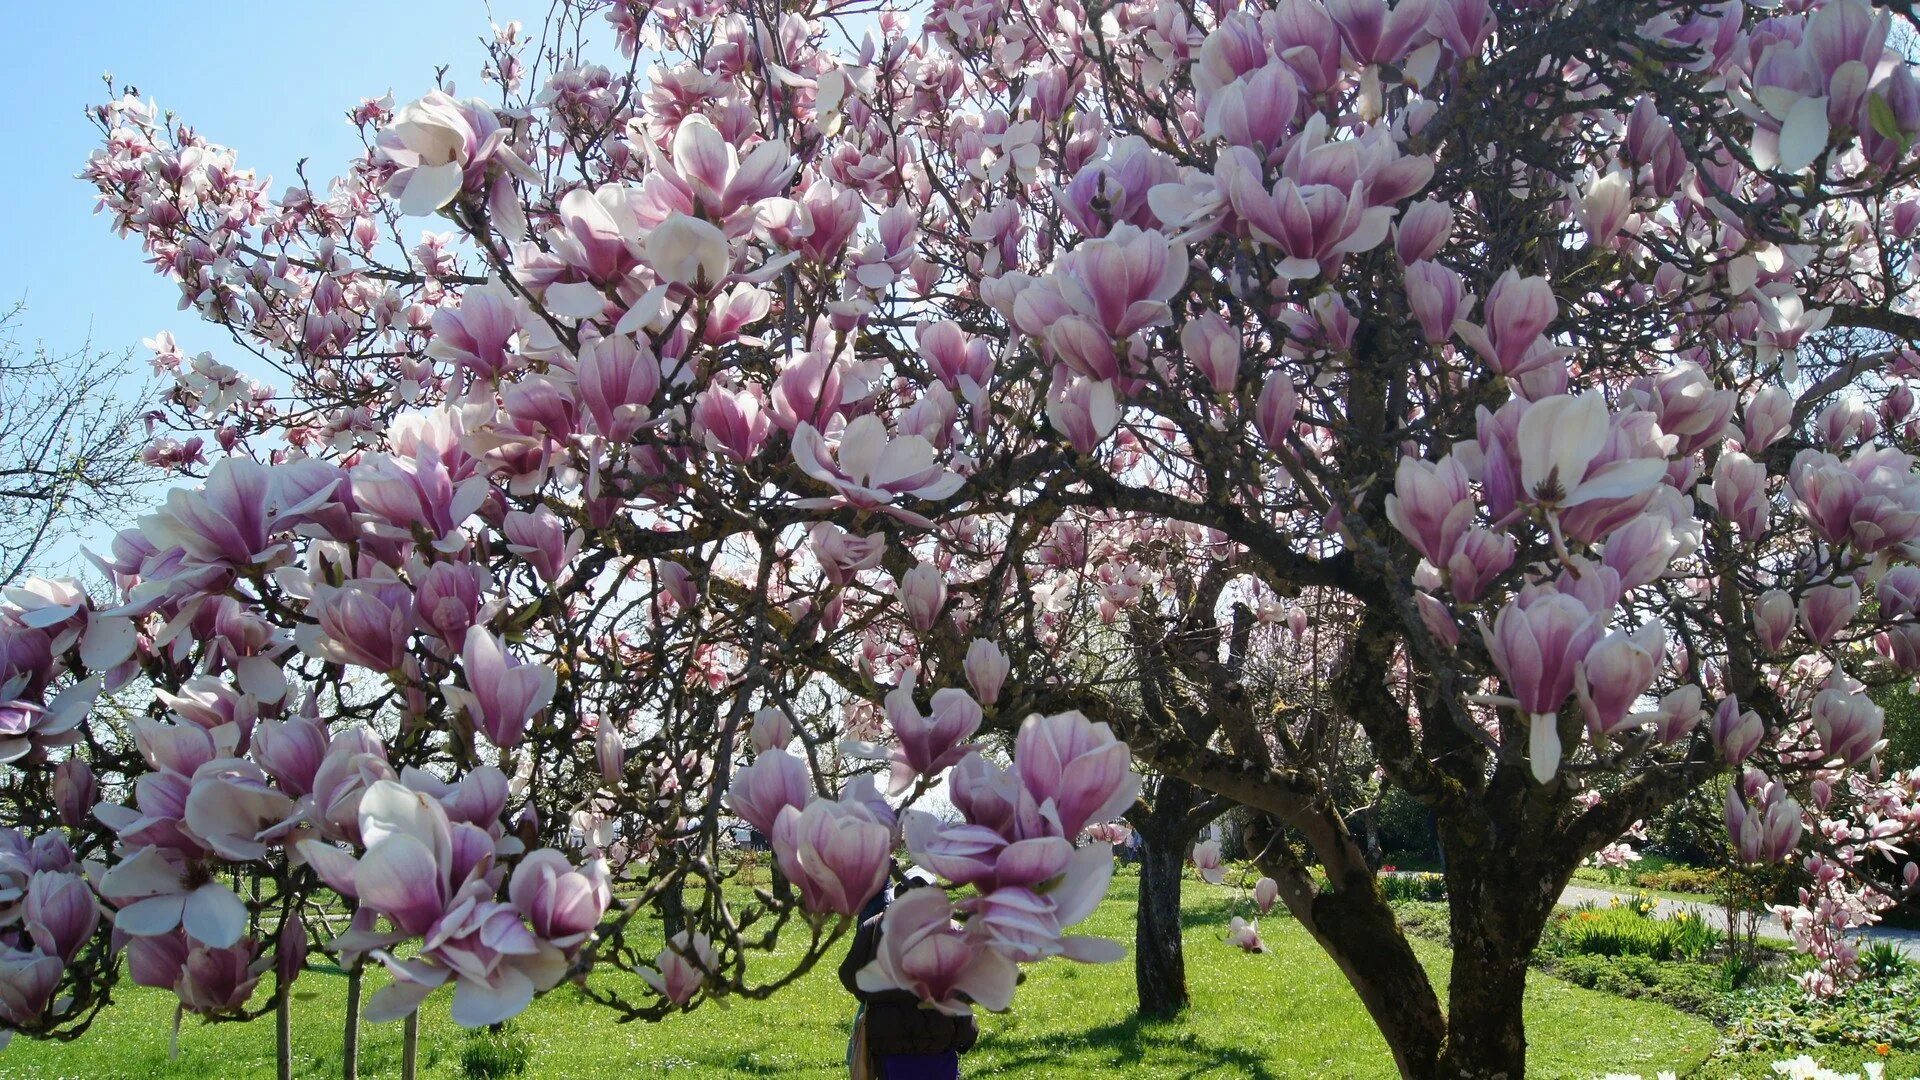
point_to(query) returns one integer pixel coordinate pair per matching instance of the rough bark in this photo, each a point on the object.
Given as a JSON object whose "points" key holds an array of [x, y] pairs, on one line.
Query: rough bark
{"points": [[1498, 902], [1159, 960]]}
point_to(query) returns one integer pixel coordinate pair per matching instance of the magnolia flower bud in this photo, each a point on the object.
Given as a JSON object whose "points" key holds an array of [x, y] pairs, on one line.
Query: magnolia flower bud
{"points": [[1736, 734], [1827, 609], [1767, 418], [75, 791], [923, 593], [1273, 415], [1213, 347], [609, 752], [1265, 892], [771, 730], [986, 668], [1847, 721], [1773, 619]]}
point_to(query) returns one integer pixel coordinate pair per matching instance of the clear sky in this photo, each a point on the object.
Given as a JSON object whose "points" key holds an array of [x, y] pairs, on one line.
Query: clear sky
{"points": [[269, 78], [272, 79]]}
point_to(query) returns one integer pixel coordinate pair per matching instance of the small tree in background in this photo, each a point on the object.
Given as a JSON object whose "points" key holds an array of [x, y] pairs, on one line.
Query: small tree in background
{"points": [[69, 446]]}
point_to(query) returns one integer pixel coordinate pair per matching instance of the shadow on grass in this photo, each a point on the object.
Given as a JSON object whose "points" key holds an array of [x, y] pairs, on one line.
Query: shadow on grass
{"points": [[1124, 1046]]}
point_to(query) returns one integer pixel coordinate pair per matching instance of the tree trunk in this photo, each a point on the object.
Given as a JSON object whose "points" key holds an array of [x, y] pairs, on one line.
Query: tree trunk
{"points": [[410, 1047], [1486, 1026], [1159, 961], [673, 912], [282, 1030], [1499, 896], [350, 1037]]}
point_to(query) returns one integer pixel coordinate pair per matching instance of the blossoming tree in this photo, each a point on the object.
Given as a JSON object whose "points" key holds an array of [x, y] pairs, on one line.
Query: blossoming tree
{"points": [[601, 437]]}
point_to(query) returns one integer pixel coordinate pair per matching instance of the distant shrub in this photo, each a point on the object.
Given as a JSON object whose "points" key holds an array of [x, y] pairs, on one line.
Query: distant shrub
{"points": [[1687, 879], [1629, 930], [1413, 886]]}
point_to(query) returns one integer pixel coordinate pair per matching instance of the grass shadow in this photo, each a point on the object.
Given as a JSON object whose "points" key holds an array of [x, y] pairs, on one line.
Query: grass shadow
{"points": [[1125, 1045]]}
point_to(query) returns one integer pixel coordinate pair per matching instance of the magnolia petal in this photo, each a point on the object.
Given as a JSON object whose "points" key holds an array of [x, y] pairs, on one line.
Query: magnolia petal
{"points": [[477, 1003], [1803, 134], [431, 187], [213, 916], [150, 917], [1543, 745]]}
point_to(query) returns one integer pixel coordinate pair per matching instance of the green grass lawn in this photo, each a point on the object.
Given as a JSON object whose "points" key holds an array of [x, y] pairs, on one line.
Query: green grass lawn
{"points": [[1284, 1014]]}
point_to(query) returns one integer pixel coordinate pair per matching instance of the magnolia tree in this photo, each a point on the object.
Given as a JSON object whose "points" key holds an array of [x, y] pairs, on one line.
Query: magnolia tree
{"points": [[601, 435]]}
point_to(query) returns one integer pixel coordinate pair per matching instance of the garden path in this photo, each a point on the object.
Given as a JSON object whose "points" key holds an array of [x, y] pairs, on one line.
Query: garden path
{"points": [[1908, 941]]}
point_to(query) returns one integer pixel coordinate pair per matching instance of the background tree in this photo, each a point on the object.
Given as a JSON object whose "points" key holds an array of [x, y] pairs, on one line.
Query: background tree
{"points": [[69, 442]]}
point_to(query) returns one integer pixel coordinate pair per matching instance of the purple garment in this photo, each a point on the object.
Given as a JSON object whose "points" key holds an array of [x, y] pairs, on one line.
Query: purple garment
{"points": [[920, 1066]]}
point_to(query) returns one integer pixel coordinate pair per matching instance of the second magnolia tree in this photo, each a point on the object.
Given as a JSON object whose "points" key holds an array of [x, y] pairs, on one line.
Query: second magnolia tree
{"points": [[750, 410]]}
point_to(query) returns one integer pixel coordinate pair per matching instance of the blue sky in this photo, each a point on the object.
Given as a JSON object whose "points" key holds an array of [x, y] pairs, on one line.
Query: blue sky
{"points": [[271, 79]]}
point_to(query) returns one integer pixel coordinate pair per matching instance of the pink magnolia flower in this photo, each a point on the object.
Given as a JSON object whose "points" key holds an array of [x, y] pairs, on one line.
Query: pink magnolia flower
{"points": [[1739, 493], [1773, 619], [687, 251], [835, 852], [923, 594], [1436, 296], [868, 470], [1736, 734], [481, 334], [718, 178], [1025, 921], [560, 903], [1847, 721], [434, 879], [75, 791], [442, 146], [368, 622], [1312, 225], [1826, 610], [927, 745], [922, 952], [541, 538], [1560, 444], [1615, 672], [775, 781], [732, 421], [771, 730], [1899, 592], [681, 969], [28, 979], [618, 379], [1431, 505], [1242, 934], [1763, 822], [1078, 767], [59, 914], [236, 811], [1536, 641], [503, 693], [1274, 412], [1206, 859], [227, 522], [1213, 348], [156, 892], [1517, 311], [1082, 409]]}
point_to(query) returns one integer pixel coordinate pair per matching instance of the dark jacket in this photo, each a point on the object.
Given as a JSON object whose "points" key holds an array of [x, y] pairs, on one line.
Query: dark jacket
{"points": [[897, 1023]]}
